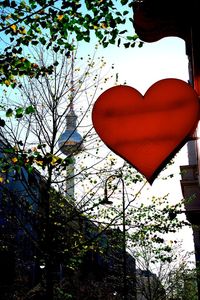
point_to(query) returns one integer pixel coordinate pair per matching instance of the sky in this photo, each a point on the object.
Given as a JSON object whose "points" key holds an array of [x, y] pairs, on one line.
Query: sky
{"points": [[140, 68]]}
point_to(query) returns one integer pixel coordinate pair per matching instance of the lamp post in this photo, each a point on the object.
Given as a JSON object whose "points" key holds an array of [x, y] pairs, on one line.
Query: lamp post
{"points": [[109, 202]]}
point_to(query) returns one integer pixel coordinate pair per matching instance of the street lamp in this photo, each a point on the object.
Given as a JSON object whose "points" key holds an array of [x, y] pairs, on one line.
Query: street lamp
{"points": [[106, 201]]}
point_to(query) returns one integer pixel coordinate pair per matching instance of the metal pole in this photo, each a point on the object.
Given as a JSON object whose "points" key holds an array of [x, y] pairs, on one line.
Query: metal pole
{"points": [[124, 243], [106, 201]]}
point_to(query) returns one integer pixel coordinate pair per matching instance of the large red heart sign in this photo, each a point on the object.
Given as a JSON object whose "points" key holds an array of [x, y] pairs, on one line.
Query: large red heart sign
{"points": [[147, 130]]}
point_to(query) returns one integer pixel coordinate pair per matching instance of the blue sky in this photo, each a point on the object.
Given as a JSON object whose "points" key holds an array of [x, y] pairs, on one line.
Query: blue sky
{"points": [[141, 67]]}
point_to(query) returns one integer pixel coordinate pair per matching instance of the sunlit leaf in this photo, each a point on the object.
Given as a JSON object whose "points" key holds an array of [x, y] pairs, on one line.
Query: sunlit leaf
{"points": [[13, 27], [39, 162], [60, 17], [14, 160]]}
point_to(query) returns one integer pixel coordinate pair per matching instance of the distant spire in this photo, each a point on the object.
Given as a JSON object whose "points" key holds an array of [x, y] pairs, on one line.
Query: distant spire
{"points": [[71, 116], [72, 96], [71, 120], [70, 141]]}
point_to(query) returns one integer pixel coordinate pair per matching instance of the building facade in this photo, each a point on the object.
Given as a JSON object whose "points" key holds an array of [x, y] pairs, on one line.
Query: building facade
{"points": [[153, 20]]}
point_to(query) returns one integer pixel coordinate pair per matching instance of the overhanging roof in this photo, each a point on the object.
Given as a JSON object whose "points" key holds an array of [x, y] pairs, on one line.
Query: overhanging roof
{"points": [[155, 19]]}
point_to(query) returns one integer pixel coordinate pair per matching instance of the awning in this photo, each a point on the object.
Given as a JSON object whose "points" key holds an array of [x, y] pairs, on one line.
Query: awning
{"points": [[156, 19]]}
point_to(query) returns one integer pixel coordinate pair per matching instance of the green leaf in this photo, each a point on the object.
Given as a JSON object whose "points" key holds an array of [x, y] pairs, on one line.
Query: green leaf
{"points": [[56, 48], [125, 12], [124, 2], [123, 31], [141, 44], [30, 169], [2, 123], [126, 45], [19, 112], [9, 113], [135, 37], [130, 38], [29, 110], [34, 42], [118, 42], [42, 40], [9, 150]]}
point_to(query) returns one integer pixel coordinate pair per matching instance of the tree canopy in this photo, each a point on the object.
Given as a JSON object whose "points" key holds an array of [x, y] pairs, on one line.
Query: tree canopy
{"points": [[54, 24]]}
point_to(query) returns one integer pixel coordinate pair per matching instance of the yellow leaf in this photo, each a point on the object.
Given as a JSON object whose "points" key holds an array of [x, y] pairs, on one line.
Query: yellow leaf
{"points": [[14, 159], [60, 17], [7, 82], [54, 159], [13, 27], [39, 162], [8, 17], [23, 31], [1, 179], [104, 25]]}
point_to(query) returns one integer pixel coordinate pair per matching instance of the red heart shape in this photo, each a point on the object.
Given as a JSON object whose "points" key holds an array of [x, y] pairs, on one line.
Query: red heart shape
{"points": [[147, 130]]}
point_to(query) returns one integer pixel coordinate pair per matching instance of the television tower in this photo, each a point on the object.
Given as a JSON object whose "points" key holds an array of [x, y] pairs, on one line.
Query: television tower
{"points": [[70, 141]]}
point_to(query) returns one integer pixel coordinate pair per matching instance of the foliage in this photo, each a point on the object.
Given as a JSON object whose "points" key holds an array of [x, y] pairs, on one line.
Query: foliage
{"points": [[28, 144], [53, 24], [173, 278]]}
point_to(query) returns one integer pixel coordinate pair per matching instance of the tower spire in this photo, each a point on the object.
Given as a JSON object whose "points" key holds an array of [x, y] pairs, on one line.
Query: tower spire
{"points": [[71, 116], [72, 81], [70, 141]]}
